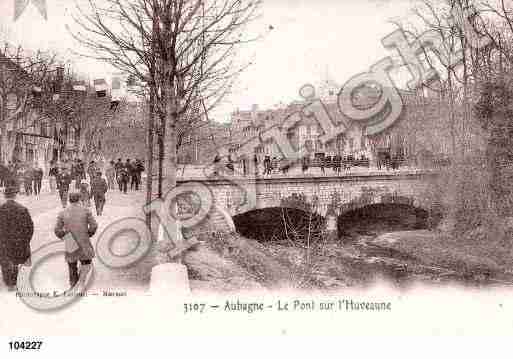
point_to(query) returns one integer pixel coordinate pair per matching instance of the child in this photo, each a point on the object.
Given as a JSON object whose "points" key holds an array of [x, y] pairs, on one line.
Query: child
{"points": [[85, 194]]}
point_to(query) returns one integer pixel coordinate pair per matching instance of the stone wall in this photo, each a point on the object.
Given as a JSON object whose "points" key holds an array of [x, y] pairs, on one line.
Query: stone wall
{"points": [[327, 194]]}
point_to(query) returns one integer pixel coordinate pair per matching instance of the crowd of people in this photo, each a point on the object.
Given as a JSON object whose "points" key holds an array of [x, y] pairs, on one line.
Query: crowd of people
{"points": [[30, 175], [74, 224], [337, 163], [88, 180], [122, 173], [78, 185]]}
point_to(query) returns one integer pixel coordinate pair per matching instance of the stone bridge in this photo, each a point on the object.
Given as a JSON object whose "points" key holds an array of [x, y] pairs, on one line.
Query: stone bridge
{"points": [[326, 196]]}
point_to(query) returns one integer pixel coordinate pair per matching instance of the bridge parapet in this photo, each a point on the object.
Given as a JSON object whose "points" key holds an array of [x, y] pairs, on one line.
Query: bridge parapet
{"points": [[321, 194]]}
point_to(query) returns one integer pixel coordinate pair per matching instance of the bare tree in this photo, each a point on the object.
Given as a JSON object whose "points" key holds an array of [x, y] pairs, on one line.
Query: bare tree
{"points": [[183, 49], [84, 114], [22, 75]]}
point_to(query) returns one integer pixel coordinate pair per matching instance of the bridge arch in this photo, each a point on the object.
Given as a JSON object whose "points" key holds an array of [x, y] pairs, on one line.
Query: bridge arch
{"points": [[382, 217], [281, 224]]}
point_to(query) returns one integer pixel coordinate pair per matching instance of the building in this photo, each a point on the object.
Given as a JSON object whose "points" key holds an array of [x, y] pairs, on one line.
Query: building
{"points": [[421, 128], [27, 133]]}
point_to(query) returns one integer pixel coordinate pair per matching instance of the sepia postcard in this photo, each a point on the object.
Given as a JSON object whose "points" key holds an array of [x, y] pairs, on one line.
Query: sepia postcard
{"points": [[283, 168]]}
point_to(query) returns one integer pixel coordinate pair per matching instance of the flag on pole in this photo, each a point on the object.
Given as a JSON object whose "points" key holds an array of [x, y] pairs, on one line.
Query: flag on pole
{"points": [[100, 86]]}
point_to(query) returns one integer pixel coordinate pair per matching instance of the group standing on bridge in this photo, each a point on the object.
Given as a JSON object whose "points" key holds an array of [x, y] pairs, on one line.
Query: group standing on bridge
{"points": [[269, 166]]}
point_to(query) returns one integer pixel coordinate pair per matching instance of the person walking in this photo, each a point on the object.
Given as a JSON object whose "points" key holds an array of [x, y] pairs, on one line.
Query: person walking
{"points": [[37, 179], [98, 189], [255, 164], [322, 163], [81, 170], [123, 179], [77, 222], [74, 174], [63, 183], [305, 163], [118, 166], [131, 173], [230, 165], [139, 169], [337, 160], [16, 230], [28, 176], [85, 195], [110, 173], [267, 165], [53, 173], [244, 166], [91, 170]]}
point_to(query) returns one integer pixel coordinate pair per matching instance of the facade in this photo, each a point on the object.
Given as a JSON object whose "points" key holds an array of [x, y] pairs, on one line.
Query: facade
{"points": [[22, 126], [421, 128]]}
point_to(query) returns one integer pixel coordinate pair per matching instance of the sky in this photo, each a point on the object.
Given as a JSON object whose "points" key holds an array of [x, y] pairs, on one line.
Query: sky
{"points": [[312, 40]]}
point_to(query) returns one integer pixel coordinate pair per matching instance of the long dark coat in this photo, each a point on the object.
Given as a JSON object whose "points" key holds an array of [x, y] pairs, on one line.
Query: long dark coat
{"points": [[16, 230], [81, 223], [63, 182], [98, 187]]}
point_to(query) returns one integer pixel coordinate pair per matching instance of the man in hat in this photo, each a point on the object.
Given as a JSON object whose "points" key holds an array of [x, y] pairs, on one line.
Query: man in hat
{"points": [[80, 223], [131, 173], [110, 173], [37, 179], [91, 170], [53, 174], [139, 169], [98, 190], [123, 179], [118, 166], [16, 230], [28, 177], [63, 182]]}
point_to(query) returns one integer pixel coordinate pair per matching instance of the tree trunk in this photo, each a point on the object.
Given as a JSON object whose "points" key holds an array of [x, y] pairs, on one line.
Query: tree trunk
{"points": [[161, 139], [170, 163], [169, 168], [149, 156]]}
